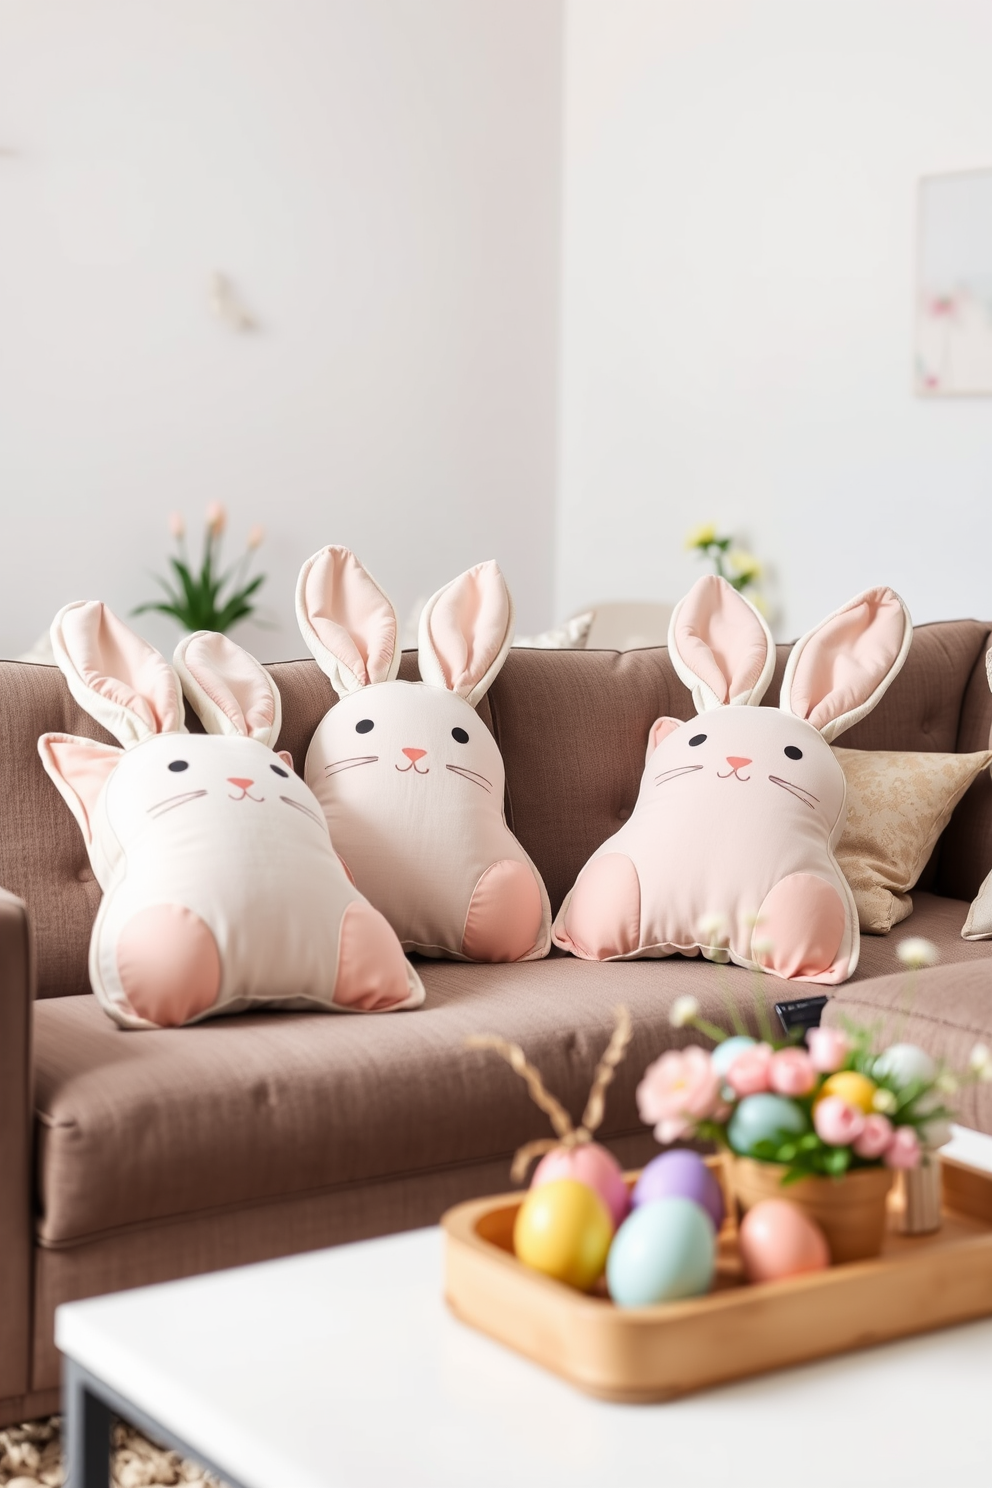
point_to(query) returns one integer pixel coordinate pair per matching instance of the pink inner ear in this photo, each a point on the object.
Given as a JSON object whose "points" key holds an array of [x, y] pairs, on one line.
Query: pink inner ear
{"points": [[659, 730], [720, 640], [286, 757], [233, 681], [83, 768], [350, 615], [468, 626], [118, 665], [847, 657]]}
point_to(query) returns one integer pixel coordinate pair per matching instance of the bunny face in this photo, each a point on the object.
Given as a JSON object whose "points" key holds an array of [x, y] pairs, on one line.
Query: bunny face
{"points": [[410, 779]]}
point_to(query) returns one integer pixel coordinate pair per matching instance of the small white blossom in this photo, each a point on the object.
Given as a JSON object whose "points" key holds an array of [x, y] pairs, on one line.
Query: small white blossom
{"points": [[946, 1083], [684, 1010], [762, 947], [980, 1062], [883, 1100], [712, 930], [916, 952]]}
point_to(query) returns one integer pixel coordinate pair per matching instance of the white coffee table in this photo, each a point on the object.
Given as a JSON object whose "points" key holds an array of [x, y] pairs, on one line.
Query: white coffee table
{"points": [[343, 1367]]}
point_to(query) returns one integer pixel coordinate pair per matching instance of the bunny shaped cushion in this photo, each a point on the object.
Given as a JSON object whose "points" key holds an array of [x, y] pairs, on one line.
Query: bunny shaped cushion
{"points": [[729, 851], [410, 779], [221, 888]]}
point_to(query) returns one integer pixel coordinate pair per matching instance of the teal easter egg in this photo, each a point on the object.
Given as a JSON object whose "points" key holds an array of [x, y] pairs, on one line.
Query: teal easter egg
{"points": [[760, 1117], [665, 1250], [724, 1054]]}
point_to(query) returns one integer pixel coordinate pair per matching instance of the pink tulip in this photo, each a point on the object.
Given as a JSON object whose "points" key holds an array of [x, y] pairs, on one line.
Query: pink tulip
{"points": [[678, 1090], [177, 525], [256, 535], [837, 1123], [216, 518], [904, 1149], [792, 1072], [875, 1137], [828, 1048], [750, 1073]]}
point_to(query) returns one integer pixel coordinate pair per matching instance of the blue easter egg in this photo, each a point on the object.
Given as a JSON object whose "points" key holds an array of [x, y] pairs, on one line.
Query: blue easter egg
{"points": [[681, 1174], [759, 1117], [724, 1054], [663, 1251]]}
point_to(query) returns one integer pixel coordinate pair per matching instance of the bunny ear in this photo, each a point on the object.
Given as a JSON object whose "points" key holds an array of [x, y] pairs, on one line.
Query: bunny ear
{"points": [[659, 730], [720, 646], [841, 669], [114, 675], [346, 620], [229, 691], [988, 666], [466, 629], [80, 768]]}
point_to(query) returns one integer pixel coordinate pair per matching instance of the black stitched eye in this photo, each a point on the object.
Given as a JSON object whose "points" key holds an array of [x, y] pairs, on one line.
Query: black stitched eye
{"points": [[278, 770], [364, 726], [792, 752], [459, 735], [178, 765], [697, 739]]}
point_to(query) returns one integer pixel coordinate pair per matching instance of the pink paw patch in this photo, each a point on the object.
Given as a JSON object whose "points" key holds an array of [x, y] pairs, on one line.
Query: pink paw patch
{"points": [[168, 963], [800, 927], [504, 915], [603, 918], [372, 969]]}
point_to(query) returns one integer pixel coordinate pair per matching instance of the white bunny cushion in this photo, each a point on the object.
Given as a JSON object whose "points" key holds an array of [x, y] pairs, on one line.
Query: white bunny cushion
{"points": [[221, 888], [729, 851], [409, 777]]}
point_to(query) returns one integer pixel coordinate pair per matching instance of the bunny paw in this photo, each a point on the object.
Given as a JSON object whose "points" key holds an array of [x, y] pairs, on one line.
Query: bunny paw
{"points": [[603, 918], [800, 929], [169, 965], [372, 969], [505, 914]]}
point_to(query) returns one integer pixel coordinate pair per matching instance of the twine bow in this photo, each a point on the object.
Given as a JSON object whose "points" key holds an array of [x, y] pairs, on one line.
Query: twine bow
{"points": [[567, 1135]]}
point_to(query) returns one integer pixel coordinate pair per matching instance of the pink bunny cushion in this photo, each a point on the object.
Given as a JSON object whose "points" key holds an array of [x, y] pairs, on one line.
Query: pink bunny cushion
{"points": [[409, 778], [221, 888], [729, 851]]}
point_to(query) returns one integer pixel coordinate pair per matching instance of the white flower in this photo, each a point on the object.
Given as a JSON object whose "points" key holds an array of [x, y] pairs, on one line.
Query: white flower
{"points": [[946, 1083], [762, 947], [917, 952], [883, 1100], [684, 1010], [980, 1062], [712, 931]]}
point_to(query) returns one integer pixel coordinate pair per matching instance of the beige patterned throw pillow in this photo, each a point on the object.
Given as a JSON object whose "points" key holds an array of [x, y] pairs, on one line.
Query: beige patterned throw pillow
{"points": [[898, 803]]}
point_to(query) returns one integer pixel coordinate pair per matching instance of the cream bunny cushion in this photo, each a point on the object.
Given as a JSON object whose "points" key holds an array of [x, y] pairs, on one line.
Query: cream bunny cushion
{"points": [[729, 851], [409, 777], [221, 888]]}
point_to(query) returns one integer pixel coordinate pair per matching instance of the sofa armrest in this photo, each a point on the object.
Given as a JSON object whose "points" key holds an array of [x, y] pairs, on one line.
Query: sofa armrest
{"points": [[17, 985]]}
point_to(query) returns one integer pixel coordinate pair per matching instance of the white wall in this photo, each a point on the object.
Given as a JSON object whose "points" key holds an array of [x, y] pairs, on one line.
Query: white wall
{"points": [[739, 231], [381, 178]]}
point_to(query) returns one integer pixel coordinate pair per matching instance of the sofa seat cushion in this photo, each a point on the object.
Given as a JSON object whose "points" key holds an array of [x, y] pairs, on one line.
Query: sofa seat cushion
{"points": [[139, 1127]]}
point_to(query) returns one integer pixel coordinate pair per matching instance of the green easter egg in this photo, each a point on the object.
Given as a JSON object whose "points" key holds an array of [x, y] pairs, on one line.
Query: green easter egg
{"points": [[759, 1118]]}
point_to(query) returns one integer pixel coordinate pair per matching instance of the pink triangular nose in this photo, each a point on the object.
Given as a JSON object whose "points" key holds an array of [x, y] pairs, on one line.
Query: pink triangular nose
{"points": [[414, 754], [239, 781], [737, 761]]}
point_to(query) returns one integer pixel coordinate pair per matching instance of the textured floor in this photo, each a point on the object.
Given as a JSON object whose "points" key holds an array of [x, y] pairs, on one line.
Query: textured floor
{"points": [[31, 1457]]}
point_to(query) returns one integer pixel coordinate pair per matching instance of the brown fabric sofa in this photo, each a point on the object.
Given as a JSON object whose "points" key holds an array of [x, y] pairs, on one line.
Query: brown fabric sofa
{"points": [[131, 1157]]}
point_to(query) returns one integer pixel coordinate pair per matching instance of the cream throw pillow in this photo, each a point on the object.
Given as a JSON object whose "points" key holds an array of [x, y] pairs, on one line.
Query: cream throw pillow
{"points": [[898, 803], [978, 925]]}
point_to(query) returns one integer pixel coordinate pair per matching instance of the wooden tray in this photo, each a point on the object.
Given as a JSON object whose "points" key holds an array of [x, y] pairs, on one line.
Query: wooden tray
{"points": [[658, 1353]]}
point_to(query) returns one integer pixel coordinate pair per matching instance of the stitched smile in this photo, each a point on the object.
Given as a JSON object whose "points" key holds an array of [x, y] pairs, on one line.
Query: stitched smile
{"points": [[405, 769], [472, 775], [172, 802], [807, 797], [732, 772], [673, 774], [350, 764], [247, 796], [299, 806]]}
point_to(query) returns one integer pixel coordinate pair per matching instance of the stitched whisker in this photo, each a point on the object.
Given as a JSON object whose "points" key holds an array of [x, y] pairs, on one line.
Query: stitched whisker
{"points": [[299, 806], [350, 764], [471, 775], [799, 791], [172, 801], [672, 774]]}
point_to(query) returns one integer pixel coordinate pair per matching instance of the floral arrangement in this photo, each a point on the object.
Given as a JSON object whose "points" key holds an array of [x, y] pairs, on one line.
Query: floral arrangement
{"points": [[740, 569], [209, 599], [819, 1111]]}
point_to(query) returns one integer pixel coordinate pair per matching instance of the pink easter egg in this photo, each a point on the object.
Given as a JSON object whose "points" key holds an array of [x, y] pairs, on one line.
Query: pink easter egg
{"points": [[592, 1165], [777, 1239]]}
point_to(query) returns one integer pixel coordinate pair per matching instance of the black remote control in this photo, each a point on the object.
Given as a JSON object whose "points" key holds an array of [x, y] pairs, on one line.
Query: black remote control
{"points": [[800, 1012]]}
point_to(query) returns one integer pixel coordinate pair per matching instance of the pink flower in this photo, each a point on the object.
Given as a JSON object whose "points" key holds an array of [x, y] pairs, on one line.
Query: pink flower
{"points": [[837, 1123], [177, 525], [904, 1149], [216, 518], [792, 1072], [875, 1137], [679, 1089], [750, 1073], [827, 1049], [256, 535]]}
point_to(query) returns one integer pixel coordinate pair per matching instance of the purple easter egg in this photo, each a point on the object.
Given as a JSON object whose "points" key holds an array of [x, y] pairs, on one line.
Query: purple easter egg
{"points": [[681, 1174]]}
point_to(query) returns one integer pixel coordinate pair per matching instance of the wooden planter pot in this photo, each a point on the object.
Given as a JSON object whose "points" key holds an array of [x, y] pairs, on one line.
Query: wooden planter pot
{"points": [[849, 1210]]}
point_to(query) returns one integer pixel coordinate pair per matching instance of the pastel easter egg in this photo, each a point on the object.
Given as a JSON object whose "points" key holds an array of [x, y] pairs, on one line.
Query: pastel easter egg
{"points": [[777, 1239], [762, 1117], [664, 1251], [681, 1174], [904, 1064], [564, 1229], [724, 1054], [852, 1087], [593, 1165]]}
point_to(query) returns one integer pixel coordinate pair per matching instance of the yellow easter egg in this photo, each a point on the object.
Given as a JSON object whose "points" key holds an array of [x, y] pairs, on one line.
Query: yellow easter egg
{"points": [[564, 1229], [856, 1089]]}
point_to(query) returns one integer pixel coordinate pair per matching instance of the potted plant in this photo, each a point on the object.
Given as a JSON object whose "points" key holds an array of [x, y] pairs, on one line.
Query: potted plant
{"points": [[210, 598]]}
